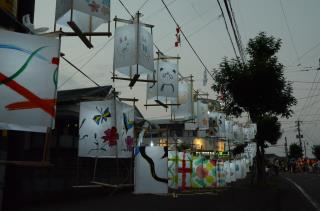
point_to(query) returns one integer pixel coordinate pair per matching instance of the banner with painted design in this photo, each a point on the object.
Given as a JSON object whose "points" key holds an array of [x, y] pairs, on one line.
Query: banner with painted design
{"points": [[128, 53], [238, 133], [185, 109], [151, 170], [202, 115], [87, 14], [229, 129], [204, 172], [233, 171], [166, 87], [221, 178], [227, 171], [216, 124], [106, 129], [28, 80]]}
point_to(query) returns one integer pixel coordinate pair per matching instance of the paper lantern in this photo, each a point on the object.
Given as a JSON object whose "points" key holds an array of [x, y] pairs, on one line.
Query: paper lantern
{"points": [[87, 14], [132, 56], [202, 115], [166, 87], [184, 110], [28, 80], [151, 170], [104, 133]]}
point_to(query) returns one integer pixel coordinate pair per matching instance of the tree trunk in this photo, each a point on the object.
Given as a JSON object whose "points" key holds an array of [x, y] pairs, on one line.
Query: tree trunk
{"points": [[260, 164]]}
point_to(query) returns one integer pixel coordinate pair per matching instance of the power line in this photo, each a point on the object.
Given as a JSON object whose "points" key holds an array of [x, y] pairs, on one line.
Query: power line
{"points": [[225, 22], [185, 37], [144, 3], [80, 71], [235, 32], [290, 34], [126, 9], [87, 62]]}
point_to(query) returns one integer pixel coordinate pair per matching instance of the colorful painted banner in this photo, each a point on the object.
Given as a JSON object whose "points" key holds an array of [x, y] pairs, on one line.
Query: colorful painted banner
{"points": [[28, 79], [106, 129], [128, 53], [184, 170], [173, 169], [204, 173], [151, 165], [166, 87]]}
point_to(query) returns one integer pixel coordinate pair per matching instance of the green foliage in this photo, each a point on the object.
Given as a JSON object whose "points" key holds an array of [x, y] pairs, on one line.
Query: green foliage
{"points": [[257, 87], [316, 151], [268, 129], [295, 151]]}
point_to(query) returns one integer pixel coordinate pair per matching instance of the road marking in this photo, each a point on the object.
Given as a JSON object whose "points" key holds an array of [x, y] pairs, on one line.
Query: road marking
{"points": [[314, 204]]}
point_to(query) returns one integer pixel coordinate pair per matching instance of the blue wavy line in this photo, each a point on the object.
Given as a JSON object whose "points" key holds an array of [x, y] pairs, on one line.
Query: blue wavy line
{"points": [[13, 47]]}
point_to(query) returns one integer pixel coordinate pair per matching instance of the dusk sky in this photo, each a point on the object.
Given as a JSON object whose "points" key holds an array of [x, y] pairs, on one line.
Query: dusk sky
{"points": [[293, 21]]}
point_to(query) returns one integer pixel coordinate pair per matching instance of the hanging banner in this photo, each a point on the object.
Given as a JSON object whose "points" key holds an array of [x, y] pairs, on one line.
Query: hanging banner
{"points": [[166, 87], [28, 79], [128, 53], [184, 110], [202, 115], [233, 171], [229, 129], [151, 165], [204, 174], [227, 171], [88, 15], [106, 130], [237, 133], [96, 8]]}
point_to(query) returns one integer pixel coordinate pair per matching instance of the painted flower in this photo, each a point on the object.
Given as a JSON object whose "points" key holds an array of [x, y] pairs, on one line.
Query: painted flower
{"points": [[111, 136]]}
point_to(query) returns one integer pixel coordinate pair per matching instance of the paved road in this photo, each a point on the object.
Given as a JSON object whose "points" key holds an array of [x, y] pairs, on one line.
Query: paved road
{"points": [[309, 183], [278, 195]]}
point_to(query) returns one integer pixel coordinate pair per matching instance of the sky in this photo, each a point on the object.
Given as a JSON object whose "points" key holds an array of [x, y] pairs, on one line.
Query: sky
{"points": [[295, 22]]}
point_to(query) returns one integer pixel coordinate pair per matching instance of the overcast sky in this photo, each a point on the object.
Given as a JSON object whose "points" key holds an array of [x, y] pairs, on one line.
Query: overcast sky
{"points": [[207, 33]]}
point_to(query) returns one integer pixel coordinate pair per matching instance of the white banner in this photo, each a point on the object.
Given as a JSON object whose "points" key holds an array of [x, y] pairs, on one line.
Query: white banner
{"points": [[97, 8], [28, 79], [87, 18], [185, 99], [151, 170], [166, 87], [128, 53], [102, 133], [202, 115]]}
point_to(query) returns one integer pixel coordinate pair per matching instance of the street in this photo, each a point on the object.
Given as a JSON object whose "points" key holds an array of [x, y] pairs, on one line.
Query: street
{"points": [[309, 183], [279, 194]]}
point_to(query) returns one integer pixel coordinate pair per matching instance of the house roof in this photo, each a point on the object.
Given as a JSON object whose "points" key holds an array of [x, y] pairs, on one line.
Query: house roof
{"points": [[78, 95]]}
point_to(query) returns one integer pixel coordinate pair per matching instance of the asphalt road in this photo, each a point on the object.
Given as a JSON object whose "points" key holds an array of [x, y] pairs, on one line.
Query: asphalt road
{"points": [[309, 184], [279, 194]]}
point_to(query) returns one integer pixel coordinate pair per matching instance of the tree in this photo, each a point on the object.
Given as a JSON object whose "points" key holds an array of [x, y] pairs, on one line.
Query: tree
{"points": [[257, 87], [238, 149], [295, 151], [316, 151]]}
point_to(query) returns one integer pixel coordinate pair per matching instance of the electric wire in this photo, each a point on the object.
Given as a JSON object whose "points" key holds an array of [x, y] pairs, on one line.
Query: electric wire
{"points": [[290, 33], [185, 37], [226, 25]]}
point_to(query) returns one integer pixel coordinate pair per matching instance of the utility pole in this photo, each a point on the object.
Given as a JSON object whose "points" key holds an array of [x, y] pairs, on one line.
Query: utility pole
{"points": [[299, 136], [305, 149], [286, 147]]}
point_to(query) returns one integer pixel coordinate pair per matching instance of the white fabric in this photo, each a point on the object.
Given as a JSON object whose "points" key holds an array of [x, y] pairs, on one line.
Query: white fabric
{"points": [[37, 77], [91, 132], [144, 181]]}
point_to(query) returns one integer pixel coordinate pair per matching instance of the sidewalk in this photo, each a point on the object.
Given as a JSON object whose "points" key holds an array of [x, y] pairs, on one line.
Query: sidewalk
{"points": [[278, 195]]}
